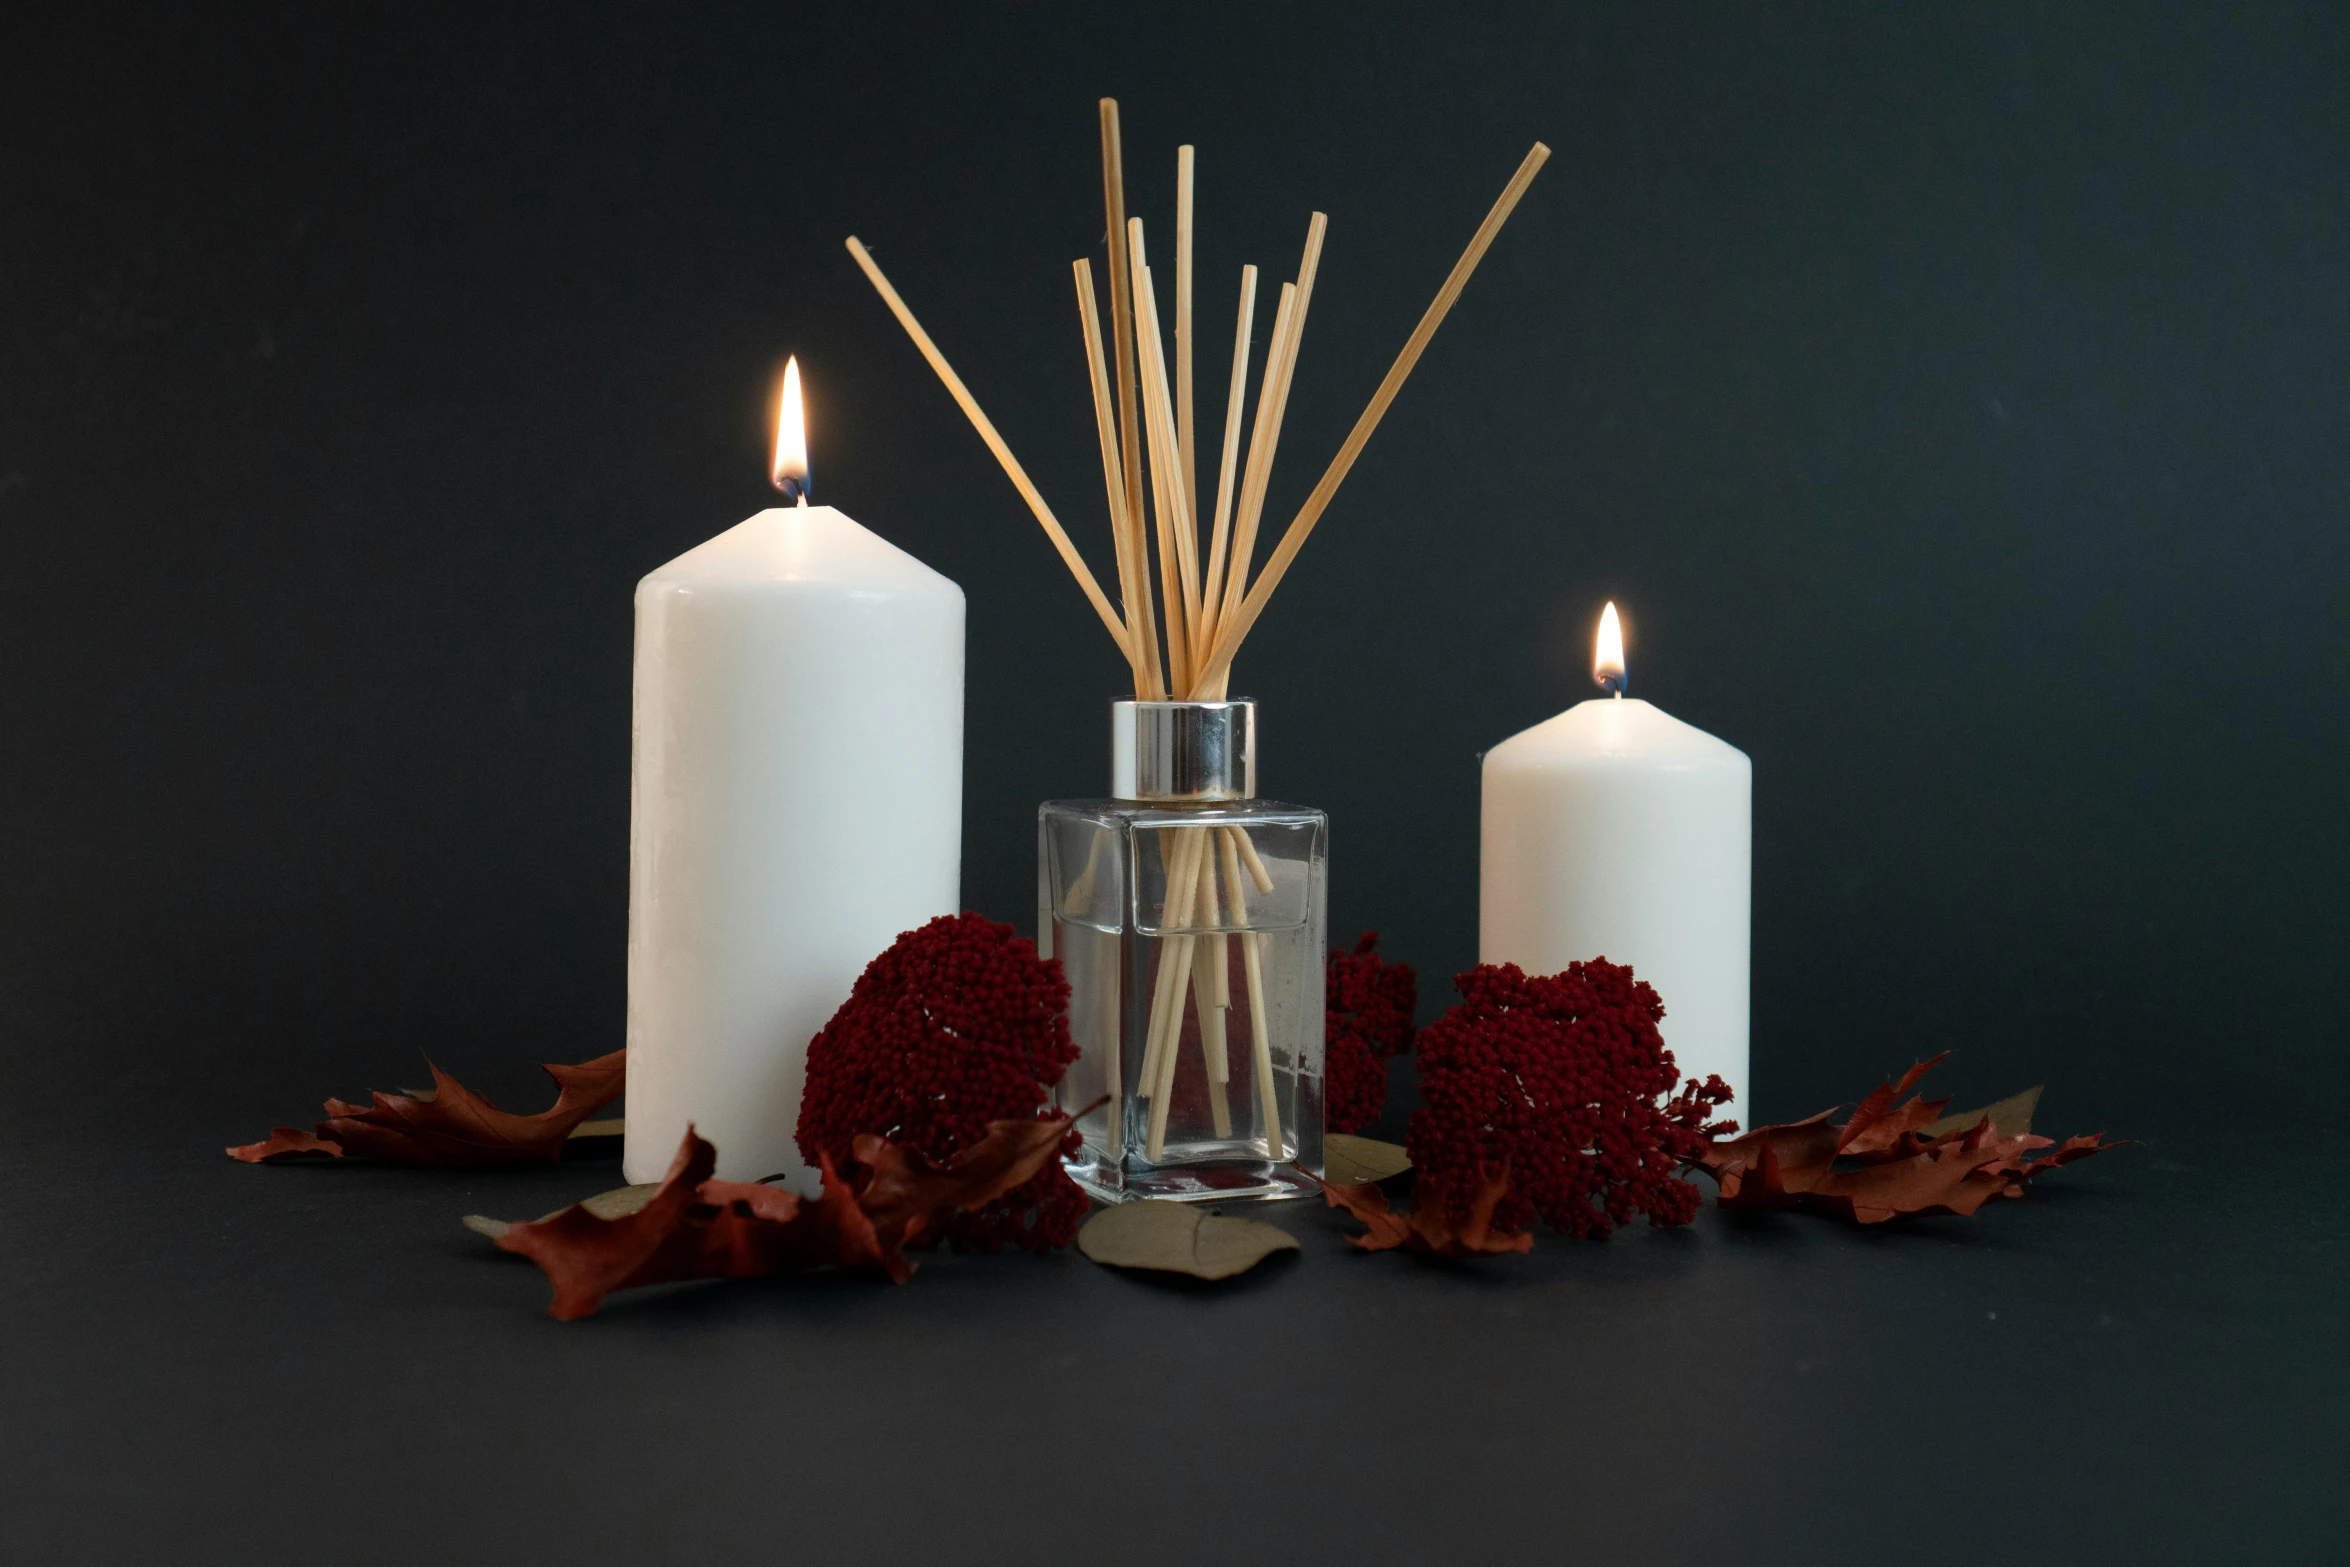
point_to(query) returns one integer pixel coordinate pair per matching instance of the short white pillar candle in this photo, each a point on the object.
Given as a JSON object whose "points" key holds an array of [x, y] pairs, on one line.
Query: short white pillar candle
{"points": [[1615, 830]]}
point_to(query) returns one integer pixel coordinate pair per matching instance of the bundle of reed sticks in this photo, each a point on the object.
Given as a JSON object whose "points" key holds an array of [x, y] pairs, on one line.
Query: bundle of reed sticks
{"points": [[1179, 637]]}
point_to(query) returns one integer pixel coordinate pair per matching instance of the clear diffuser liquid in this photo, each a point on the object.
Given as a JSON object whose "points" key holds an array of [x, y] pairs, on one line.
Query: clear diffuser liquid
{"points": [[1193, 942]]}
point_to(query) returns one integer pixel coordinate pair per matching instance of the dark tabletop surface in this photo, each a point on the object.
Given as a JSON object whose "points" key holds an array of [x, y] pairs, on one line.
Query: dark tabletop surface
{"points": [[2141, 1361], [1955, 400]]}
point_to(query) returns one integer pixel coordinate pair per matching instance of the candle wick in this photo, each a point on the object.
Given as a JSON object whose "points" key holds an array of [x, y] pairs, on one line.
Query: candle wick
{"points": [[803, 500]]}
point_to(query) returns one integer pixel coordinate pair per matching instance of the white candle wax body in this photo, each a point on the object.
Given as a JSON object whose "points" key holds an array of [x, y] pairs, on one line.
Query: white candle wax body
{"points": [[796, 803], [1615, 830]]}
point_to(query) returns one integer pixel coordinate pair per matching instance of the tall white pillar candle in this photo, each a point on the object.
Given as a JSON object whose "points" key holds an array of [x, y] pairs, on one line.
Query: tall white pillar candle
{"points": [[797, 802], [1615, 830]]}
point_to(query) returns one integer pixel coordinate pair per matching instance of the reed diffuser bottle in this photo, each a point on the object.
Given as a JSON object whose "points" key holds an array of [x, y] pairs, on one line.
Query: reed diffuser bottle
{"points": [[1189, 918], [1186, 912]]}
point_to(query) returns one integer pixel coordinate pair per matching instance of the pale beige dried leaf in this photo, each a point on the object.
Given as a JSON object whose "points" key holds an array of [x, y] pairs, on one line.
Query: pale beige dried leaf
{"points": [[1176, 1237], [1358, 1161], [617, 1203], [2011, 1117]]}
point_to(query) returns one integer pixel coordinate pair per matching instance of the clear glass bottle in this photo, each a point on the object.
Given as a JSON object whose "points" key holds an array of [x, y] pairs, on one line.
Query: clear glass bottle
{"points": [[1189, 917]]}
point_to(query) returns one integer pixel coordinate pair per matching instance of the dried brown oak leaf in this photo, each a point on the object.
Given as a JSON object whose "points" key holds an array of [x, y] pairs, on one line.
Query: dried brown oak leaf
{"points": [[695, 1227], [449, 1126], [1430, 1225], [1892, 1158]]}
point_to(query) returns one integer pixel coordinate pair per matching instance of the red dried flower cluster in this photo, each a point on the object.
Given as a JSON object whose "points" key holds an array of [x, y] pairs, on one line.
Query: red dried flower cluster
{"points": [[958, 1024], [1560, 1081], [1367, 1018]]}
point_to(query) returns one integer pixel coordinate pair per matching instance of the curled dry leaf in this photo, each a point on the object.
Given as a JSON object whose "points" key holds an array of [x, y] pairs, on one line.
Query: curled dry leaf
{"points": [[1892, 1158], [692, 1226], [285, 1142], [1442, 1221], [908, 1194], [1361, 1161], [1176, 1237], [448, 1126], [617, 1203]]}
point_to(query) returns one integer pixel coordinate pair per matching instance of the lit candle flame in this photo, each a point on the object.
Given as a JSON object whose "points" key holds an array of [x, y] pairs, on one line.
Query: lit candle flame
{"points": [[790, 472], [1607, 653]]}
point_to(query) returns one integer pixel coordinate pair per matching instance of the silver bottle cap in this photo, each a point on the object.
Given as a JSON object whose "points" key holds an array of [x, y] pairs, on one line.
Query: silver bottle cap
{"points": [[1183, 750]]}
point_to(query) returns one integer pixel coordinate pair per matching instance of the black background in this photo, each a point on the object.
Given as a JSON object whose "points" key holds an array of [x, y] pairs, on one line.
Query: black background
{"points": [[1954, 399]]}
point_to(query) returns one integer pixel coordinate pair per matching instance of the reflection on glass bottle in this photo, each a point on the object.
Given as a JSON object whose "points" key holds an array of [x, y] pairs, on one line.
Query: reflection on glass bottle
{"points": [[1189, 919]]}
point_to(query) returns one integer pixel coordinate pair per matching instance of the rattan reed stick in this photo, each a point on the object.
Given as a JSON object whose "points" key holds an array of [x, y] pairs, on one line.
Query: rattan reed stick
{"points": [[1167, 458], [1235, 401], [1272, 409], [1185, 170], [1237, 627], [1122, 344], [1178, 571], [1252, 954], [995, 443], [1133, 581]]}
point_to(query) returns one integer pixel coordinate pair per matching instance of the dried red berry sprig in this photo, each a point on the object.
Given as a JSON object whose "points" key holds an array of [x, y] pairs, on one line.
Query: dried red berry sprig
{"points": [[448, 1126], [1368, 1006], [1563, 1080], [695, 1227], [1891, 1158], [958, 1026], [1544, 1099]]}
